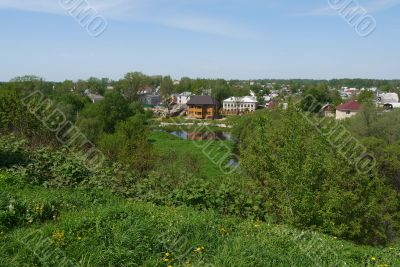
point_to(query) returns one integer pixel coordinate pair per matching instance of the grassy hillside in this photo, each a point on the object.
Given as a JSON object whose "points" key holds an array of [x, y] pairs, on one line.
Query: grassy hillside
{"points": [[208, 167], [52, 227]]}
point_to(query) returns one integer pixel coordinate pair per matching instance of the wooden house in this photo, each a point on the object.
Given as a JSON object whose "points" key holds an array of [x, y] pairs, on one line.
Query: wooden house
{"points": [[202, 107]]}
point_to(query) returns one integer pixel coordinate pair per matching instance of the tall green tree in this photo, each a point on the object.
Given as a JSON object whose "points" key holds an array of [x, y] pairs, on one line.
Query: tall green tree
{"points": [[166, 90], [132, 84], [308, 183], [102, 117]]}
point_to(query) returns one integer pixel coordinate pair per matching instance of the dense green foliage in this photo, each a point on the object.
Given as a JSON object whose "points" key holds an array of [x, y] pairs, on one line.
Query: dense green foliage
{"points": [[47, 227], [290, 174], [14, 116], [314, 97], [12, 151], [308, 183], [380, 133]]}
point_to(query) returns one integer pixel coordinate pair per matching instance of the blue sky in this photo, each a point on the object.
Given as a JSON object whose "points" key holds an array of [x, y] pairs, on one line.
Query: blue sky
{"points": [[241, 39]]}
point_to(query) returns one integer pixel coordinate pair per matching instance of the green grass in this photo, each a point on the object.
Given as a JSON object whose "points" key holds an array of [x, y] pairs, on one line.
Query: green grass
{"points": [[209, 153], [95, 228]]}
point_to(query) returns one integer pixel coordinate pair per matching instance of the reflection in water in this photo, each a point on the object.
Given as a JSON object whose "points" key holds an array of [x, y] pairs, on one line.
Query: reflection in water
{"points": [[200, 136]]}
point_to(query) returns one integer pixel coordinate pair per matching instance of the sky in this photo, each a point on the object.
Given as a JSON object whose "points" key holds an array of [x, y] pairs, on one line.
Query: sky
{"points": [[231, 39]]}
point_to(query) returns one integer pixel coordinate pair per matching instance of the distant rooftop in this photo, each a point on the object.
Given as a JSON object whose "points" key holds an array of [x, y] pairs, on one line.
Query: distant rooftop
{"points": [[245, 99], [349, 106], [201, 100], [95, 97]]}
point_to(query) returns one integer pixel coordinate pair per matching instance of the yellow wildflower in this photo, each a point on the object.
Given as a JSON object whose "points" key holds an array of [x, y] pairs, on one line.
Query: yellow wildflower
{"points": [[199, 249], [373, 258], [59, 237]]}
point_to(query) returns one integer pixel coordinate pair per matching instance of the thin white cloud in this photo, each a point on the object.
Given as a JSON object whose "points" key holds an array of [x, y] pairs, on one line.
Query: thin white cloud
{"points": [[147, 11], [371, 7]]}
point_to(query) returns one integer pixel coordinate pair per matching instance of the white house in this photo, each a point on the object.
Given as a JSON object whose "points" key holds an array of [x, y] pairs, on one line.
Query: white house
{"points": [[236, 105], [183, 98], [386, 98], [95, 98]]}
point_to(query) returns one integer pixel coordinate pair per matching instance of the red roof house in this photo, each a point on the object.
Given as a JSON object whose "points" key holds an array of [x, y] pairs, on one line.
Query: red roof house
{"points": [[352, 106], [347, 110]]}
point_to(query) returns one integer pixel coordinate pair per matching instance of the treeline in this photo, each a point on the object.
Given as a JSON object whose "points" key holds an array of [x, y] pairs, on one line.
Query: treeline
{"points": [[134, 82]]}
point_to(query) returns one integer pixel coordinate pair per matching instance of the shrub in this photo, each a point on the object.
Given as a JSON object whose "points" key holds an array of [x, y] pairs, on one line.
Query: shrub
{"points": [[12, 151], [307, 183], [14, 212], [56, 168]]}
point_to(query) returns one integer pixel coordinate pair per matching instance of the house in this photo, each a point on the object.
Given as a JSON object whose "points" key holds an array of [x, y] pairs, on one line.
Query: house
{"points": [[150, 99], [274, 103], [387, 98], [389, 101], [146, 90], [149, 96], [202, 107], [95, 97], [347, 110], [183, 99], [350, 91], [327, 110], [239, 105]]}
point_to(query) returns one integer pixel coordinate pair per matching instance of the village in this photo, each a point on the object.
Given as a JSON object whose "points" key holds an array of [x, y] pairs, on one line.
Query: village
{"points": [[206, 107]]}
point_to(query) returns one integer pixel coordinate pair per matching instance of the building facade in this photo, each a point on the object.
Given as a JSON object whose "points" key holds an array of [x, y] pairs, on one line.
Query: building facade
{"points": [[150, 99], [327, 110], [239, 105], [202, 107], [183, 99], [347, 110]]}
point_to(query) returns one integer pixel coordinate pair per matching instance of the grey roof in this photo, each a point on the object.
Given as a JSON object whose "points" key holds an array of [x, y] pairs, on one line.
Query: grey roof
{"points": [[201, 100], [95, 97]]}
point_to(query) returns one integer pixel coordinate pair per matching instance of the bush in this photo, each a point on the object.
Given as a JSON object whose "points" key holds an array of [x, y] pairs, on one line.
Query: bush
{"points": [[56, 168], [308, 183], [12, 151], [14, 212]]}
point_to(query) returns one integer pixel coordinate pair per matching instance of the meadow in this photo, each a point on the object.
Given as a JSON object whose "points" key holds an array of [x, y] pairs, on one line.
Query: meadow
{"points": [[205, 154]]}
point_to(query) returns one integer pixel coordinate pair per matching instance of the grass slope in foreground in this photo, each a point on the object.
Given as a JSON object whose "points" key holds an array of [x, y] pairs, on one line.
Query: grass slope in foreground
{"points": [[48, 227]]}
